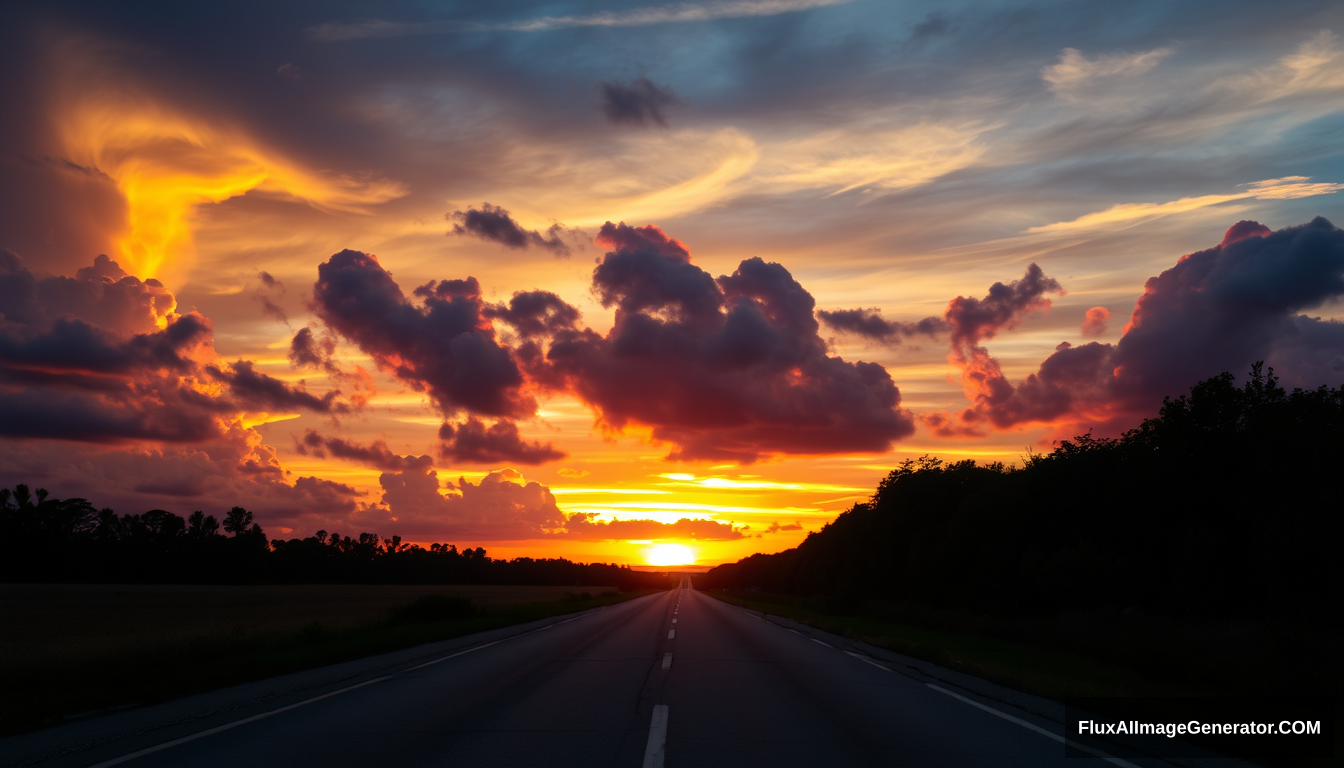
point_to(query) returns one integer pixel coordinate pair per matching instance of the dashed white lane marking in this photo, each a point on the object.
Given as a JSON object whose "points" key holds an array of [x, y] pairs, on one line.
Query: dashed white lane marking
{"points": [[671, 633], [1034, 727], [667, 661], [674, 621], [794, 631], [818, 642], [656, 749]]}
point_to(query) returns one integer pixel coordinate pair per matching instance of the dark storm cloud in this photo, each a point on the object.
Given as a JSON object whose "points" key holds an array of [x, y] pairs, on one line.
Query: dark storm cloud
{"points": [[473, 443], [1216, 310], [375, 454], [85, 359], [444, 345], [534, 313], [723, 369], [256, 389], [494, 224], [972, 320], [639, 102], [870, 324]]}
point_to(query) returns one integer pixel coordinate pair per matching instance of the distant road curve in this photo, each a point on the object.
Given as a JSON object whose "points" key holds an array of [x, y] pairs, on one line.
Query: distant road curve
{"points": [[672, 680]]}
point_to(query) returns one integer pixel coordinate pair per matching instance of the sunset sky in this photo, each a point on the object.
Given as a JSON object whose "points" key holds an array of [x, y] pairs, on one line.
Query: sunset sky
{"points": [[585, 278]]}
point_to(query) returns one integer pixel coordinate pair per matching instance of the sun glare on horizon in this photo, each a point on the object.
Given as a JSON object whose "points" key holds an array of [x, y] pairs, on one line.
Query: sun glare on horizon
{"points": [[669, 554]]}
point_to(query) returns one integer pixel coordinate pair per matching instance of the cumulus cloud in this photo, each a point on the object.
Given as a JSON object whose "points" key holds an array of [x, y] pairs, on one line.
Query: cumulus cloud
{"points": [[1094, 322], [115, 396], [534, 313], [973, 320], [726, 369], [103, 357], [502, 506], [494, 224], [1216, 310], [443, 345], [473, 443], [639, 102], [869, 324]]}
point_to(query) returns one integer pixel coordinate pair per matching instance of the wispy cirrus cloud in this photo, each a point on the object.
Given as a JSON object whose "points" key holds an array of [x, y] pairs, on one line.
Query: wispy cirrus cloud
{"points": [[1127, 214], [637, 17]]}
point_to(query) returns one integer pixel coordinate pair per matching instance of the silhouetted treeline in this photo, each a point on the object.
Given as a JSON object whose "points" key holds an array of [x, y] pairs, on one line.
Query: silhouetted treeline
{"points": [[54, 540], [1226, 505]]}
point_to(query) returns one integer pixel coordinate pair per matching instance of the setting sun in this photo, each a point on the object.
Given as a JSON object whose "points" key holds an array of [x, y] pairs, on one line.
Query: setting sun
{"points": [[669, 554]]}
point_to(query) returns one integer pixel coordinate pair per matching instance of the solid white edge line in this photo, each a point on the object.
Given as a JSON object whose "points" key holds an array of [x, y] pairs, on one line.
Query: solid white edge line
{"points": [[867, 660], [305, 702], [667, 661], [1036, 728], [656, 749]]}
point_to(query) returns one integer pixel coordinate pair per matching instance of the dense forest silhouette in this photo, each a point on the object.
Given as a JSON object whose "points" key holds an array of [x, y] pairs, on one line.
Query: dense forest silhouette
{"points": [[1226, 505], [55, 540]]}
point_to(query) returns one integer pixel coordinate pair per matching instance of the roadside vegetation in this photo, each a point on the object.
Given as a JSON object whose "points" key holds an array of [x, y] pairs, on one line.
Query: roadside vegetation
{"points": [[1198, 553], [76, 651]]}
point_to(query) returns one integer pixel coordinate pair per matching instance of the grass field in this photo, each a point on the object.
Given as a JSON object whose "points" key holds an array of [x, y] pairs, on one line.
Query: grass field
{"points": [[74, 650]]}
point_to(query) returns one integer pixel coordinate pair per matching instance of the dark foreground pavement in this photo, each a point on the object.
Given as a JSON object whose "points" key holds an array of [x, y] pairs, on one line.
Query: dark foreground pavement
{"points": [[676, 679]]}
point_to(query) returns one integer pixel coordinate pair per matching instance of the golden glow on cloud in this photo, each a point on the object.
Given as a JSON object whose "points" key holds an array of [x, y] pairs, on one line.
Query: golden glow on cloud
{"points": [[166, 163], [1286, 188]]}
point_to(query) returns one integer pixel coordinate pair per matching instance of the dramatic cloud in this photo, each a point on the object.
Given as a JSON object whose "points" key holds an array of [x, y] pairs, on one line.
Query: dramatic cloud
{"points": [[639, 102], [269, 393], [102, 357], [144, 411], [730, 369], [444, 345], [581, 526], [500, 507], [972, 320], [376, 454], [1094, 322], [1216, 310], [870, 324], [307, 350], [473, 443], [494, 224], [534, 313]]}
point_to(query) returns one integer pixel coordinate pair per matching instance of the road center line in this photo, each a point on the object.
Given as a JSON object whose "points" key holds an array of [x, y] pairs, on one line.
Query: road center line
{"points": [[1036, 728], [667, 661], [671, 633], [656, 749]]}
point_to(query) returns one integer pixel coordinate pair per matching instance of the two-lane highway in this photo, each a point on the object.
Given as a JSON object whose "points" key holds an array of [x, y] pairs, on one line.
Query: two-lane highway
{"points": [[675, 679]]}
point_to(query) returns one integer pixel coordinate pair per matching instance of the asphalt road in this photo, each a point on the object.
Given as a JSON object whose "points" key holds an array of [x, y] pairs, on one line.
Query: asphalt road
{"points": [[675, 679]]}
